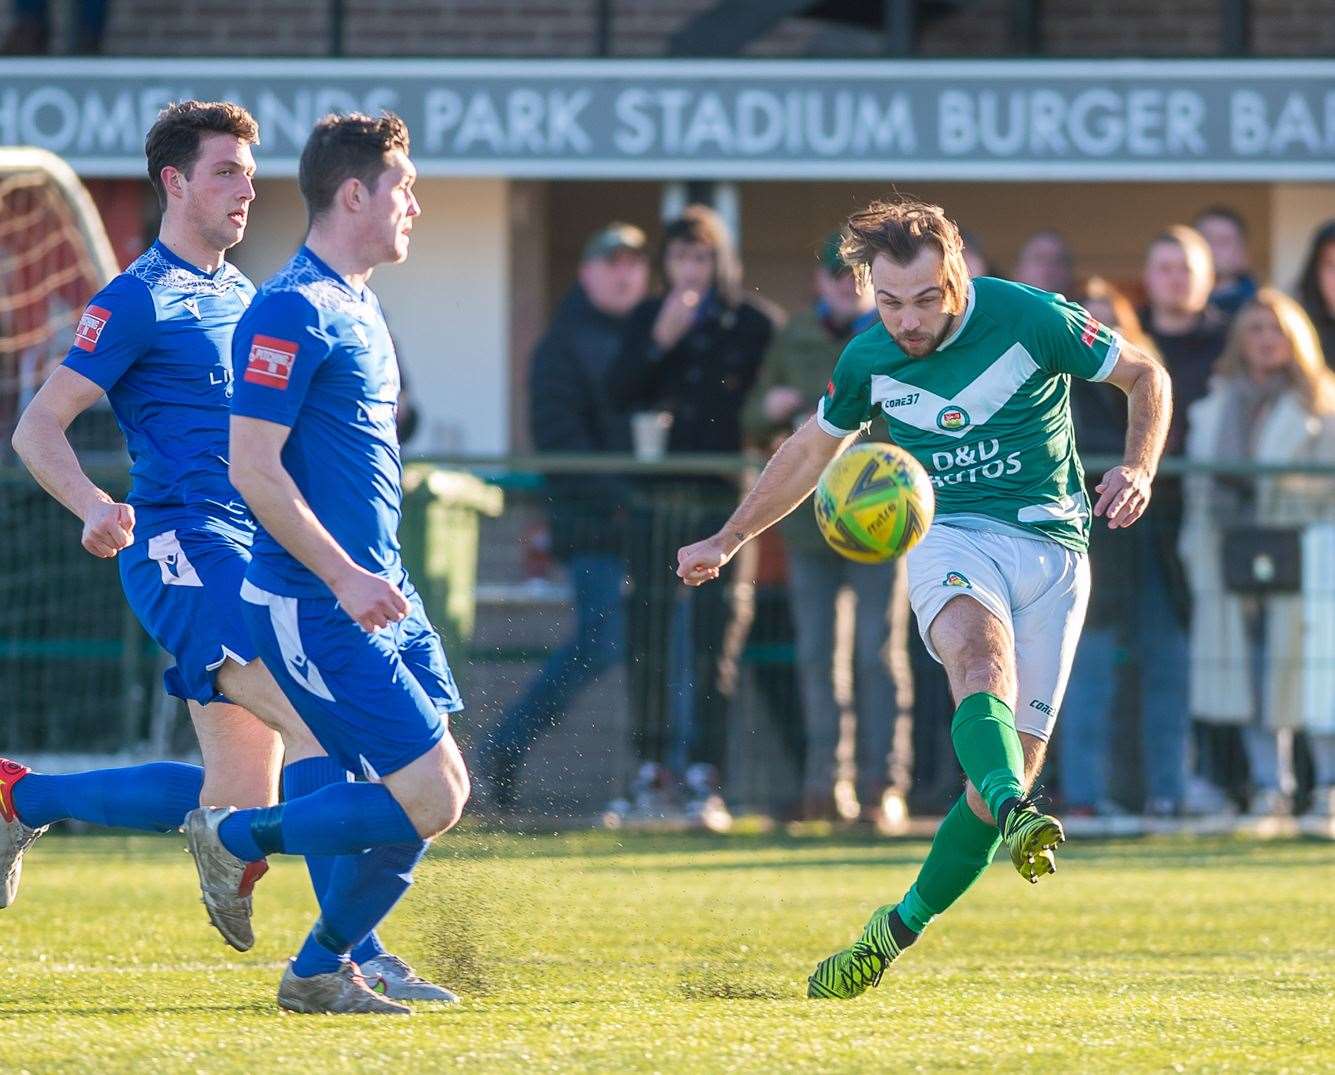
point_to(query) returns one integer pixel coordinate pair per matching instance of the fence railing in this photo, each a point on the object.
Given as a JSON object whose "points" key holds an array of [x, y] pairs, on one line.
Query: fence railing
{"points": [[77, 674]]}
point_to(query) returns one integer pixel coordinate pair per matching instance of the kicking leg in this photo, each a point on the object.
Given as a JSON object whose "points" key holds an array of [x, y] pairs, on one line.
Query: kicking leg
{"points": [[978, 653]]}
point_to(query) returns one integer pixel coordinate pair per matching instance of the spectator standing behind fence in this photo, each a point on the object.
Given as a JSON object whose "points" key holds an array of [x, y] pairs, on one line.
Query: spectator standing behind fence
{"points": [[571, 412], [792, 381], [1045, 261], [1272, 401], [1189, 334], [975, 256], [692, 354], [1113, 625], [1226, 232], [1316, 287]]}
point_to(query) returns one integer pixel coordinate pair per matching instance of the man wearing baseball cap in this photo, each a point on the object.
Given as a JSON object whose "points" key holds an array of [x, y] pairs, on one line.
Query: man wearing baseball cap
{"points": [[571, 412]]}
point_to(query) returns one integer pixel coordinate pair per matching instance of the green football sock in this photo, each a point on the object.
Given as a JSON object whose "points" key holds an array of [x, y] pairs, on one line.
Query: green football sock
{"points": [[961, 850], [988, 748]]}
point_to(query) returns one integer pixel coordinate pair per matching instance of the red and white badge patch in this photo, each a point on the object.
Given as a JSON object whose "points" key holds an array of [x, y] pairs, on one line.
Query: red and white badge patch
{"points": [[1091, 332], [91, 324], [270, 362]]}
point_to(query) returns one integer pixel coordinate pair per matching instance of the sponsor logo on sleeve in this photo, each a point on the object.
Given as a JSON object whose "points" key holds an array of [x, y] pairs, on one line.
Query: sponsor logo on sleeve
{"points": [[955, 579], [270, 362], [1091, 331], [91, 324], [829, 390]]}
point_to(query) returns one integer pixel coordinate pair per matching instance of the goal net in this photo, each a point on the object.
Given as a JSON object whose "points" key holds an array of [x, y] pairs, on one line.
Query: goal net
{"points": [[54, 254], [74, 671]]}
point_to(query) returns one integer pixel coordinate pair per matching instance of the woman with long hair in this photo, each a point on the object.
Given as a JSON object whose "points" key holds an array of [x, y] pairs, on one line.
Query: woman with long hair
{"points": [[693, 353], [1316, 287], [1272, 400]]}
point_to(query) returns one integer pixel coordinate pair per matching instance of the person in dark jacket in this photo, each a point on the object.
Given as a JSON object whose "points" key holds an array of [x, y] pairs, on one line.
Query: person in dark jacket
{"points": [[1119, 631], [1226, 232], [1316, 287], [571, 412], [693, 353]]}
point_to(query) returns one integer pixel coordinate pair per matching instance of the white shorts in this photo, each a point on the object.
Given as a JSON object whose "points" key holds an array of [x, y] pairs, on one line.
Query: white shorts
{"points": [[1035, 587]]}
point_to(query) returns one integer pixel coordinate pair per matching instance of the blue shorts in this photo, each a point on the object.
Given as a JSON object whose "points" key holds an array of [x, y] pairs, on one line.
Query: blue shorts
{"points": [[374, 701], [185, 588]]}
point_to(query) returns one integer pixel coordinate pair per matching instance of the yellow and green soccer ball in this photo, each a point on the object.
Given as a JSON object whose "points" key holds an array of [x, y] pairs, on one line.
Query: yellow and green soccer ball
{"points": [[874, 502]]}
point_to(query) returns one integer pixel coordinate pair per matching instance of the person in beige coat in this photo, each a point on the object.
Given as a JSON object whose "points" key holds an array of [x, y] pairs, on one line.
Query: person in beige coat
{"points": [[1271, 400]]}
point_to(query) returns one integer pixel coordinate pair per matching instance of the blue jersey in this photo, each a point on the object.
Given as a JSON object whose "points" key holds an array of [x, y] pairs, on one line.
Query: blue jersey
{"points": [[158, 341], [315, 355]]}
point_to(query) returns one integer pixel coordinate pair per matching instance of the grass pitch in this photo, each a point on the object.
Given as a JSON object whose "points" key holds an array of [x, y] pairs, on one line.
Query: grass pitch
{"points": [[621, 953]]}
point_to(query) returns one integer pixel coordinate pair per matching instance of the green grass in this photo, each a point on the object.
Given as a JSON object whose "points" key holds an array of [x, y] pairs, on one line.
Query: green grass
{"points": [[596, 952]]}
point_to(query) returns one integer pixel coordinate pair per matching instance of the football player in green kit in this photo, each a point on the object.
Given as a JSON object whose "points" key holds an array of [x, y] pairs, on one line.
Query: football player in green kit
{"points": [[973, 379]]}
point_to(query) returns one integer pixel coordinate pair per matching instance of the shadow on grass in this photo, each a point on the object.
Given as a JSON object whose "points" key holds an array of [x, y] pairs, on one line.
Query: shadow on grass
{"points": [[143, 1009], [906, 858], [710, 981]]}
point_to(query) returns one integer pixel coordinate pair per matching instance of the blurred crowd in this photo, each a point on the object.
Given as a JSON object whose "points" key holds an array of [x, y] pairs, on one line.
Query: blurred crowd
{"points": [[1198, 688]]}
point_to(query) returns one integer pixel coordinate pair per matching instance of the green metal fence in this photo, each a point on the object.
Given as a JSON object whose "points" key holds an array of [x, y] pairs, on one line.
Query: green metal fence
{"points": [[486, 540]]}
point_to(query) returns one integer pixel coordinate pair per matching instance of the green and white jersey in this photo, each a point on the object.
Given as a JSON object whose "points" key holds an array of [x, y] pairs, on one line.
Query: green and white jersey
{"points": [[988, 413]]}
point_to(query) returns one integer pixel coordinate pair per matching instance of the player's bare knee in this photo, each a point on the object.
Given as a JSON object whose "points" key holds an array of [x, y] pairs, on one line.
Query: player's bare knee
{"points": [[439, 811], [986, 670]]}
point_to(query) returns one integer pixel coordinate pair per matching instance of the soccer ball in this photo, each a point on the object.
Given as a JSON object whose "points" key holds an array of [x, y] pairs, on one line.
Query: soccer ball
{"points": [[874, 503]]}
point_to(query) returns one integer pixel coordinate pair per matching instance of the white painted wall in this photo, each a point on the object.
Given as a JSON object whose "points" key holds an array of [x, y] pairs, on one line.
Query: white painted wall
{"points": [[1296, 211], [447, 304]]}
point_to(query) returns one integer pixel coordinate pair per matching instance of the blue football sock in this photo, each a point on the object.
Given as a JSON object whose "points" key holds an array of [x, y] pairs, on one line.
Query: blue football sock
{"points": [[336, 820], [314, 958], [369, 949], [154, 797], [301, 778], [362, 891]]}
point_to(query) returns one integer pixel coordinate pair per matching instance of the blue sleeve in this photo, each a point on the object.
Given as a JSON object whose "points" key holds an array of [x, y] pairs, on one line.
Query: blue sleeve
{"points": [[276, 350], [118, 326]]}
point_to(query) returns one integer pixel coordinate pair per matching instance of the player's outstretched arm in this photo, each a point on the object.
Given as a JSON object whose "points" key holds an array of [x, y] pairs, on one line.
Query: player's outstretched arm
{"points": [[41, 442], [786, 481], [1124, 492], [257, 472]]}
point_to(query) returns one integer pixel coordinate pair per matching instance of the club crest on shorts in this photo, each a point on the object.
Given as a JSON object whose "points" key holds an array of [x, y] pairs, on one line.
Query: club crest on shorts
{"points": [[955, 579], [952, 419]]}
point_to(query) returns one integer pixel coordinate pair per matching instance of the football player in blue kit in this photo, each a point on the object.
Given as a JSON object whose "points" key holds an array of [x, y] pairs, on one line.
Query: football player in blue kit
{"points": [[157, 341], [315, 453]]}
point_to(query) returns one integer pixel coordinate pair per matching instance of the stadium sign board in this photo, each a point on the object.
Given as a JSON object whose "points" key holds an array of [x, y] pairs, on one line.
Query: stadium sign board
{"points": [[1174, 120]]}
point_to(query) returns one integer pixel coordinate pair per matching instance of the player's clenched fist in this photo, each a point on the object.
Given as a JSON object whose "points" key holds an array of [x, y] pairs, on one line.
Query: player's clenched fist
{"points": [[107, 528], [370, 600], [698, 563], [1124, 494]]}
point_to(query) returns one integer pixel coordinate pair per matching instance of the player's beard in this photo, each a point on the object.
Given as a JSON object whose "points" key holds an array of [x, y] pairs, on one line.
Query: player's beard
{"points": [[936, 341]]}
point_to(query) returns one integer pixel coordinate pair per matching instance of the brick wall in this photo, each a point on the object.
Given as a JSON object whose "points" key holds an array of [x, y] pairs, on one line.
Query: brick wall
{"points": [[1135, 28], [1293, 27], [568, 28]]}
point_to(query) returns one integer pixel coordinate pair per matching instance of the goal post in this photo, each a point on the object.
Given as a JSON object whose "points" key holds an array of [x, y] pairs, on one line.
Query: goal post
{"points": [[75, 670], [54, 254]]}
